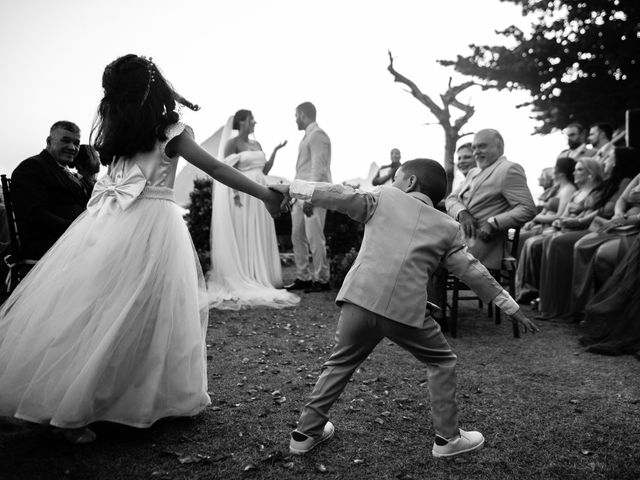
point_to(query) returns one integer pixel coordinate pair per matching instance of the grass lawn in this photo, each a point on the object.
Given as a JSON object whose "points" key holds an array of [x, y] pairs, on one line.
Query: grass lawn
{"points": [[547, 410]]}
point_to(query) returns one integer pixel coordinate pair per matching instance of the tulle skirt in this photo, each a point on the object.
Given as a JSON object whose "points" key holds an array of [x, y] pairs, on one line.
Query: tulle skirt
{"points": [[110, 324]]}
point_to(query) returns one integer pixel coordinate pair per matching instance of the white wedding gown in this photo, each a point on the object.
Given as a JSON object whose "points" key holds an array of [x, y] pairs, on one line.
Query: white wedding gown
{"points": [[245, 262], [110, 324]]}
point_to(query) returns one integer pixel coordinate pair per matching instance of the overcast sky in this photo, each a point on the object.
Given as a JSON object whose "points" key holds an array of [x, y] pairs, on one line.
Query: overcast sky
{"points": [[266, 56]]}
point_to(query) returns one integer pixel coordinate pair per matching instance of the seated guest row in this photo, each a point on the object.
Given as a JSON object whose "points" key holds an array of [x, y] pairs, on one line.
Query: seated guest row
{"points": [[547, 267]]}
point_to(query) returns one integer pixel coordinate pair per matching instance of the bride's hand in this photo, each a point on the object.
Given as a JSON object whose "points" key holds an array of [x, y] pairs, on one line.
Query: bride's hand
{"points": [[281, 144]]}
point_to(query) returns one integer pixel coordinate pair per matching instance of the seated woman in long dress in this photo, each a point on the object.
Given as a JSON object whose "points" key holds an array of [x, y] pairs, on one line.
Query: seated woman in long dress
{"points": [[596, 254], [588, 175], [245, 262], [557, 258], [553, 200], [612, 317]]}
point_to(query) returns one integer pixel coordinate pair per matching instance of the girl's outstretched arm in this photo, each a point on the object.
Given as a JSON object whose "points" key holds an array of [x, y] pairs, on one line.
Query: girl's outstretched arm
{"points": [[185, 146]]}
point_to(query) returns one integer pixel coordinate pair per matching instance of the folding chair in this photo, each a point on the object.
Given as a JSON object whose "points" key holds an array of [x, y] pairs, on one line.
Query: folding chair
{"points": [[18, 265]]}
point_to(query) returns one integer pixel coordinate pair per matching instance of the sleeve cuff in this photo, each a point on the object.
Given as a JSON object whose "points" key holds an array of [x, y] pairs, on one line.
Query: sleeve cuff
{"points": [[505, 303], [301, 190]]}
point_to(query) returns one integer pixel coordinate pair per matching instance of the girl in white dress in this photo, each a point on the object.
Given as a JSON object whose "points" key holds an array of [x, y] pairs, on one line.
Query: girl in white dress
{"points": [[245, 262], [110, 324]]}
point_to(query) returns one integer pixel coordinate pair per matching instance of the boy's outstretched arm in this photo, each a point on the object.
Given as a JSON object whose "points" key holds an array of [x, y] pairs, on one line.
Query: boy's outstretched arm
{"points": [[359, 206], [476, 276]]}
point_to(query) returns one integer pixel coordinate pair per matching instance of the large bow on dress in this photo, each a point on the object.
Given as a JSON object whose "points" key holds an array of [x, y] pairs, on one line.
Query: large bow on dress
{"points": [[125, 191]]}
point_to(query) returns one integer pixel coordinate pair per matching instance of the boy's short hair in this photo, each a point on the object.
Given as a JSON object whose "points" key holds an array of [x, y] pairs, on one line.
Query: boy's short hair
{"points": [[431, 177]]}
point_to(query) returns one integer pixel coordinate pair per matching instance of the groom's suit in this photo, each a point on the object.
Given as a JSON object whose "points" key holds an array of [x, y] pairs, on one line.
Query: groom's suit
{"points": [[307, 233], [385, 293], [47, 198], [498, 191]]}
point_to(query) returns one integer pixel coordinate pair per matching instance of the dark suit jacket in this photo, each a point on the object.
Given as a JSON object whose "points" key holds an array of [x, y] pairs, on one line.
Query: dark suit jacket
{"points": [[47, 198]]}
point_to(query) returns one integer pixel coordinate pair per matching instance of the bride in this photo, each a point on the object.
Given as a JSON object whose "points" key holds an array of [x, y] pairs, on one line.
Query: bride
{"points": [[245, 263]]}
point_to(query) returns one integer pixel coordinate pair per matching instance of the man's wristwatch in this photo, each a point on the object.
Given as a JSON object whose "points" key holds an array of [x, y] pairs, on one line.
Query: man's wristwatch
{"points": [[493, 222]]}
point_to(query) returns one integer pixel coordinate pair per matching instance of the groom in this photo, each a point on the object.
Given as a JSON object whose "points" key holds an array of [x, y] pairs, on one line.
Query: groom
{"points": [[307, 220]]}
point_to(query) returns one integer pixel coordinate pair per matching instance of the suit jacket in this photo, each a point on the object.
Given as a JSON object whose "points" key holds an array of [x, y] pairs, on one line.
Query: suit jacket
{"points": [[47, 198], [498, 191], [314, 156], [405, 239]]}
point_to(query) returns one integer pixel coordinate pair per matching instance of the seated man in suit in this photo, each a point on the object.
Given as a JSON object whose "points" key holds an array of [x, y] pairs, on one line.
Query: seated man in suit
{"points": [[493, 198], [385, 295], [47, 196]]}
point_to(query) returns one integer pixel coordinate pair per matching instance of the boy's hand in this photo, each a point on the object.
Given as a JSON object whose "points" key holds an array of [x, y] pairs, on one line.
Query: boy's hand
{"points": [[523, 322]]}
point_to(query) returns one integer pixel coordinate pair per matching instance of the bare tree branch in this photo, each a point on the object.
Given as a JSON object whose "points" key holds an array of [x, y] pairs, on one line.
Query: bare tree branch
{"points": [[468, 113], [453, 92], [416, 92]]}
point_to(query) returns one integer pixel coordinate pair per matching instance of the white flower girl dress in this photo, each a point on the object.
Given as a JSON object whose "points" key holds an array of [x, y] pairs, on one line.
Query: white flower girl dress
{"points": [[110, 324]]}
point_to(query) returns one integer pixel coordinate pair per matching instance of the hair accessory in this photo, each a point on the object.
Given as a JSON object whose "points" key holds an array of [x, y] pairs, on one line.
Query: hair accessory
{"points": [[151, 70]]}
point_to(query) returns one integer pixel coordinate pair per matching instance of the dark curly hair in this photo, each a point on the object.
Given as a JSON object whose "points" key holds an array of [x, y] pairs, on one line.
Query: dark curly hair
{"points": [[138, 106]]}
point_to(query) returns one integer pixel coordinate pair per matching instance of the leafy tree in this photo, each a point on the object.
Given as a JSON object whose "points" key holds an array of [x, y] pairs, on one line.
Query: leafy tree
{"points": [[198, 219], [579, 61]]}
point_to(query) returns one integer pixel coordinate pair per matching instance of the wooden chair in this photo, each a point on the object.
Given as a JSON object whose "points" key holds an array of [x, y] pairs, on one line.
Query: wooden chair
{"points": [[506, 276], [18, 265]]}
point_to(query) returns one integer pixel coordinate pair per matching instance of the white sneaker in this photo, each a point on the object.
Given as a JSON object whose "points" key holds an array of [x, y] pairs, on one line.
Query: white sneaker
{"points": [[301, 443], [465, 442]]}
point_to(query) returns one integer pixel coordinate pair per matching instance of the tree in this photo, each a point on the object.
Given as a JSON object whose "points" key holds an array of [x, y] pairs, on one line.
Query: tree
{"points": [[443, 114], [579, 62], [198, 219]]}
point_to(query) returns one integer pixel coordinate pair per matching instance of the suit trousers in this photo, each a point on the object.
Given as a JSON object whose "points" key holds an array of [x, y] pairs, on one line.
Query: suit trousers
{"points": [[307, 235], [357, 334]]}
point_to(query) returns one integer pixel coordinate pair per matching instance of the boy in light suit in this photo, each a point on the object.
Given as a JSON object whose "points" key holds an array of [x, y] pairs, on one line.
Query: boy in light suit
{"points": [[385, 294]]}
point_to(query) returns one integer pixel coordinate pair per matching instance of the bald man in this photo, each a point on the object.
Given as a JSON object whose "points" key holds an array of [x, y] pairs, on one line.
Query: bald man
{"points": [[493, 198]]}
